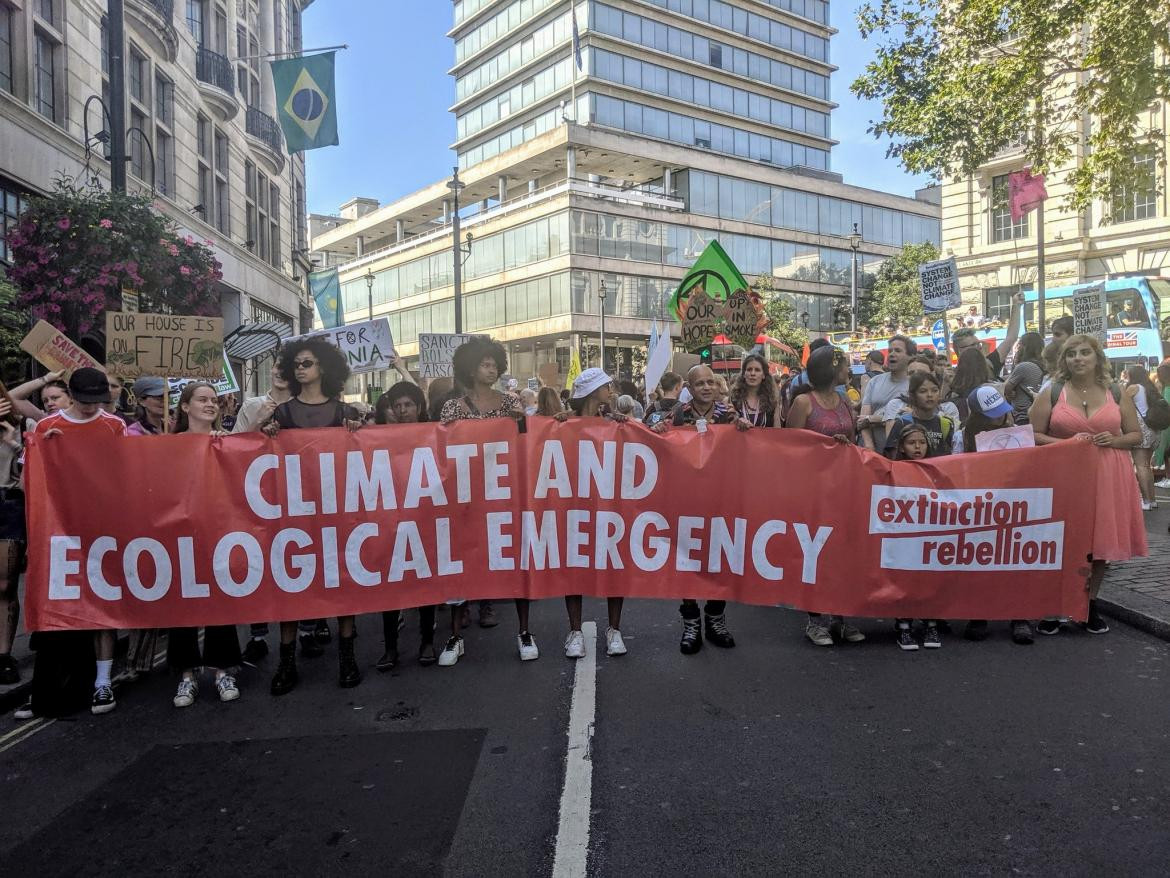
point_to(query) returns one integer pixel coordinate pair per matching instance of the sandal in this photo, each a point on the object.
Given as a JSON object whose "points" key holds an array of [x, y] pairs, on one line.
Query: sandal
{"points": [[426, 654]]}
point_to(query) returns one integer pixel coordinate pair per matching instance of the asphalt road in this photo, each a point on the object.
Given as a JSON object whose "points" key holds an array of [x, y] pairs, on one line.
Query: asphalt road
{"points": [[776, 757]]}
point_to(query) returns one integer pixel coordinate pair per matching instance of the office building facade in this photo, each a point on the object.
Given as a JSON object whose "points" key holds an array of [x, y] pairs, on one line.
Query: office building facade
{"points": [[595, 184]]}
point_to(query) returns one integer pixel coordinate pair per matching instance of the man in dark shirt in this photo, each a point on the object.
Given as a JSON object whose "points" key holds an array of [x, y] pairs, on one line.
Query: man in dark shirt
{"points": [[704, 409], [670, 384]]}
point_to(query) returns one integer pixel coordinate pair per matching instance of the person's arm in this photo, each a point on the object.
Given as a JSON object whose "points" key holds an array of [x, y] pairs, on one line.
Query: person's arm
{"points": [[28, 388], [863, 426], [1015, 318], [1131, 436], [799, 411], [1012, 383]]}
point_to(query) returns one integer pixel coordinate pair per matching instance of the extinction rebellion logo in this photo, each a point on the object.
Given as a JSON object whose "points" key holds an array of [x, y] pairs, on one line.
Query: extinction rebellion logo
{"points": [[1000, 529]]}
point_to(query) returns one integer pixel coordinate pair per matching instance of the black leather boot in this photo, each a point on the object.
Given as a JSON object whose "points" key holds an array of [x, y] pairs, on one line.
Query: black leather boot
{"points": [[285, 678], [349, 675]]}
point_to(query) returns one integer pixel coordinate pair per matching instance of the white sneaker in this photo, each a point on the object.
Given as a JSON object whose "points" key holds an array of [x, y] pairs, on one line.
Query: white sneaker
{"points": [[818, 634], [185, 694], [1147, 506], [1162, 483], [226, 685], [575, 645], [451, 652], [614, 645], [526, 643]]}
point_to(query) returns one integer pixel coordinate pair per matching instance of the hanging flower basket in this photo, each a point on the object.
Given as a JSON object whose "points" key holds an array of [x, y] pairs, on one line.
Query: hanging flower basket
{"points": [[75, 250]]}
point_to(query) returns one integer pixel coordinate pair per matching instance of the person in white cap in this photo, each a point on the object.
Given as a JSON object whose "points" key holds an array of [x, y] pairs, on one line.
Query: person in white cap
{"points": [[988, 410], [591, 397]]}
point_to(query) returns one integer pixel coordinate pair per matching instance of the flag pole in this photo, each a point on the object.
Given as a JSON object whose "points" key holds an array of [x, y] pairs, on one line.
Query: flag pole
{"points": [[1040, 269]]}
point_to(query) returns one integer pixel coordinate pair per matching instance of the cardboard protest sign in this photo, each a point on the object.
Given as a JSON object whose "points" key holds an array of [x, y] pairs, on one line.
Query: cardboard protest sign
{"points": [[940, 285], [1089, 312], [224, 385], [743, 316], [173, 345], [367, 346], [700, 319], [550, 375], [1021, 436], [53, 349], [436, 350]]}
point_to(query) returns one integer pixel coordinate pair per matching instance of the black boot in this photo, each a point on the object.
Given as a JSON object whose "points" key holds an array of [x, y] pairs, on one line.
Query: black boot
{"points": [[389, 659], [717, 631], [285, 678], [692, 637], [349, 675], [321, 632], [310, 648]]}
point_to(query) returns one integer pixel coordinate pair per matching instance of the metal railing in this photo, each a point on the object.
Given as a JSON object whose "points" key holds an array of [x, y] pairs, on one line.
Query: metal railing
{"points": [[165, 8], [263, 127], [214, 69], [575, 186]]}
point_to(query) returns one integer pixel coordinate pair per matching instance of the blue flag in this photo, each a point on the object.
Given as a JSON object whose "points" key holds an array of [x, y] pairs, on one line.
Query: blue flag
{"points": [[306, 101], [576, 37], [326, 289]]}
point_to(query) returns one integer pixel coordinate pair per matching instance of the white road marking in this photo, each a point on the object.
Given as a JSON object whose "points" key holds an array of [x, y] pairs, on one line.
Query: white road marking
{"points": [[572, 851]]}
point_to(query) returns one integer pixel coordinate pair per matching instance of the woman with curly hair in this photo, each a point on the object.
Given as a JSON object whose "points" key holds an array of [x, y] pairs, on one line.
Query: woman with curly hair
{"points": [[753, 392], [405, 403], [1085, 406], [477, 365], [315, 371]]}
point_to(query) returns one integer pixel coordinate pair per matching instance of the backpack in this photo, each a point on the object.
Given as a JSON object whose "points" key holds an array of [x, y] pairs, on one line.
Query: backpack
{"points": [[1157, 416]]}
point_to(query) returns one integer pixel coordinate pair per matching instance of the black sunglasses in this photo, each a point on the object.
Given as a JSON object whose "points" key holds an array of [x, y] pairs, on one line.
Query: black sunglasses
{"points": [[304, 364]]}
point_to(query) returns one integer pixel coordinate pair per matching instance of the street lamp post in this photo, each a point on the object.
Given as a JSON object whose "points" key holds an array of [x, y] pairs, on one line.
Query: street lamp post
{"points": [[456, 185], [370, 290], [601, 297], [854, 245]]}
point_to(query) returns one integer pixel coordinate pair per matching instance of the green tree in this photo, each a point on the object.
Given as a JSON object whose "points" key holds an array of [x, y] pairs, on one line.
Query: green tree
{"points": [[782, 321], [896, 296], [13, 327], [961, 82]]}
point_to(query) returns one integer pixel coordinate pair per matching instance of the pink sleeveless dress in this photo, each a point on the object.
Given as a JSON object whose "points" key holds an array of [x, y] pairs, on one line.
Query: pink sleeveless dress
{"points": [[1119, 531]]}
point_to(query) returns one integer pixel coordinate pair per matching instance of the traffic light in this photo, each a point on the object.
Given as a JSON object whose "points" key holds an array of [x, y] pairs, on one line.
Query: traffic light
{"points": [[704, 355]]}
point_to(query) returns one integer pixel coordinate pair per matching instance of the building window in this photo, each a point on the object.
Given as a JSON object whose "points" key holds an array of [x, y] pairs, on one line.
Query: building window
{"points": [[299, 215], [997, 302], [136, 73], [197, 20], [12, 204], [1002, 227], [222, 188], [1138, 201], [274, 254], [6, 20], [45, 93], [46, 11], [136, 140], [164, 142]]}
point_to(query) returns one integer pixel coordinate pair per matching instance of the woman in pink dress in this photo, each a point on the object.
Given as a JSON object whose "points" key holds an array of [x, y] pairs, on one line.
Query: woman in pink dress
{"points": [[1083, 405]]}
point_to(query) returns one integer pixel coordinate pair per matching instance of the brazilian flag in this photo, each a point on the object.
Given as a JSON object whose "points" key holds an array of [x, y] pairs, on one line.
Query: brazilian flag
{"points": [[306, 101]]}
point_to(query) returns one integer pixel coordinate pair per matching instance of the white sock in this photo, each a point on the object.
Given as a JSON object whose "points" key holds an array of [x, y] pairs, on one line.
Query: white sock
{"points": [[104, 666]]}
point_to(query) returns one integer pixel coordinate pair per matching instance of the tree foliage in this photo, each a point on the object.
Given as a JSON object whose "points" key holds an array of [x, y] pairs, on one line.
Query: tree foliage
{"points": [[782, 320], [896, 297], [962, 82]]}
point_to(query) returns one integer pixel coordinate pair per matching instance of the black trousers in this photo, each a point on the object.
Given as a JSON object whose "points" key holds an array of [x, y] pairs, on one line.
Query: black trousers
{"points": [[690, 609], [221, 648]]}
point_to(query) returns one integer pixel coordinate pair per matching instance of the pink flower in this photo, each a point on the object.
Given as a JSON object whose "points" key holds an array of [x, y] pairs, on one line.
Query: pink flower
{"points": [[106, 224], [63, 224], [184, 270]]}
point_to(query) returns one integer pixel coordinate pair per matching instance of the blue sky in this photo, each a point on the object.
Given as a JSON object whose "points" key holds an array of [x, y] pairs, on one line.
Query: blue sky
{"points": [[393, 94]]}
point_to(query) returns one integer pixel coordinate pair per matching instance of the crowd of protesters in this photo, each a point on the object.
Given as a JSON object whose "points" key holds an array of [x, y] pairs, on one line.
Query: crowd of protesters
{"points": [[907, 404]]}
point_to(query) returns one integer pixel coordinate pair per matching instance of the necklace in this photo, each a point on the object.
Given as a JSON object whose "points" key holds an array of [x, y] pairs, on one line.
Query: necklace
{"points": [[1084, 391]]}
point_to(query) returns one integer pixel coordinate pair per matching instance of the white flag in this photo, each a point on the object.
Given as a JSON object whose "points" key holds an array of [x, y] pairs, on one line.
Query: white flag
{"points": [[658, 357]]}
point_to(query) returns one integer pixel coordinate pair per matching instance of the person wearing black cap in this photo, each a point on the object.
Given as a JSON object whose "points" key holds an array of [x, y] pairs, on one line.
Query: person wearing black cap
{"points": [[86, 417]]}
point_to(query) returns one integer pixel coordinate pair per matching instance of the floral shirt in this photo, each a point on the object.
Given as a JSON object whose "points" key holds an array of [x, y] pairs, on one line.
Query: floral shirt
{"points": [[463, 409]]}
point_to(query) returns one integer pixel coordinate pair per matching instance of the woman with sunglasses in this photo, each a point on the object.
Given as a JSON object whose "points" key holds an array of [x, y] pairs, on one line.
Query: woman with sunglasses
{"points": [[819, 406], [315, 372], [150, 405], [198, 413]]}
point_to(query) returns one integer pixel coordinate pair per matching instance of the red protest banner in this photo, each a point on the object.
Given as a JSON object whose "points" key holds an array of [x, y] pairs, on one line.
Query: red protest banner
{"points": [[186, 530]]}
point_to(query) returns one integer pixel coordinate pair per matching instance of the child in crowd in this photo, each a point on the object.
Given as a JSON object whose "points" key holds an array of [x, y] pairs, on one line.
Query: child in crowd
{"points": [[912, 443]]}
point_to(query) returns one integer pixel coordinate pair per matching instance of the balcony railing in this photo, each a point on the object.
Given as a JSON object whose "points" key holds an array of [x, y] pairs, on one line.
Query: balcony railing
{"points": [[214, 69], [165, 8], [263, 127]]}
